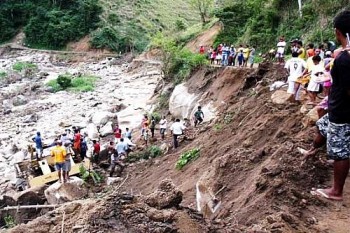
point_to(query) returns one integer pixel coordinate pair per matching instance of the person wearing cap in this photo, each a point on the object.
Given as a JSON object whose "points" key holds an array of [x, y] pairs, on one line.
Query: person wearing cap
{"points": [[59, 153], [38, 145]]}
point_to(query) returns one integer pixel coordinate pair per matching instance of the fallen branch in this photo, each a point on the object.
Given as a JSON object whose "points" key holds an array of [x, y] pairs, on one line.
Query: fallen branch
{"points": [[28, 207], [121, 184]]}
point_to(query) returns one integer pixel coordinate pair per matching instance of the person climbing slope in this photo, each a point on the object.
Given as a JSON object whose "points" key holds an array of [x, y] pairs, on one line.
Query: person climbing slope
{"points": [[198, 116]]}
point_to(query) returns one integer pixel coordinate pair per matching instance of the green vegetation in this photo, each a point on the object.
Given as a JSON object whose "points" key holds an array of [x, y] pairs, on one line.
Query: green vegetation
{"points": [[178, 62], [83, 83], [48, 24], [132, 24], [9, 221], [19, 66], [150, 152], [261, 22], [86, 175], [3, 75], [187, 157], [157, 116]]}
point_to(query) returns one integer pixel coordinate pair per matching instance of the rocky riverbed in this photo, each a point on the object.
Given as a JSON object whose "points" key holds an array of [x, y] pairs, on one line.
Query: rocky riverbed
{"points": [[123, 93]]}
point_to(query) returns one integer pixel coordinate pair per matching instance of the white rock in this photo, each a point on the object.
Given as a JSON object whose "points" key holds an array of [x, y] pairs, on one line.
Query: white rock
{"points": [[19, 156], [101, 118], [107, 129], [92, 131], [113, 180], [181, 102], [280, 97], [59, 193]]}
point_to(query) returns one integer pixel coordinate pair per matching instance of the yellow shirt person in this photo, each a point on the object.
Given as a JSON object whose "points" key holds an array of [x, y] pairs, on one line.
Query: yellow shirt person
{"points": [[59, 152]]}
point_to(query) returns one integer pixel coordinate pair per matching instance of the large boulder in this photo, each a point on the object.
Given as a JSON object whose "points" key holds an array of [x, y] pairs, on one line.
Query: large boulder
{"points": [[19, 100], [101, 118], [107, 129], [59, 193], [280, 97], [310, 118], [92, 131], [166, 196], [181, 102]]}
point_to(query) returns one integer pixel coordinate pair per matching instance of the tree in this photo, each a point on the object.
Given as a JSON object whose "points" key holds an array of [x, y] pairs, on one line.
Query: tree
{"points": [[203, 7]]}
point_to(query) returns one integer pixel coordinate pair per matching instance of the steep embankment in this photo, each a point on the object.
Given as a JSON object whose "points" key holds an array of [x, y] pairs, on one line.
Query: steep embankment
{"points": [[250, 153]]}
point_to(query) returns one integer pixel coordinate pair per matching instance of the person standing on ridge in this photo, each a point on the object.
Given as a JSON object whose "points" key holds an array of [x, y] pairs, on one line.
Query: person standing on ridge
{"points": [[59, 153], [38, 145], [338, 137], [77, 138], [198, 116]]}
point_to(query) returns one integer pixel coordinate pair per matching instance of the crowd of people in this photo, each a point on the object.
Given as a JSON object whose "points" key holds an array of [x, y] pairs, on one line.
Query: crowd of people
{"points": [[227, 55], [72, 143], [325, 69]]}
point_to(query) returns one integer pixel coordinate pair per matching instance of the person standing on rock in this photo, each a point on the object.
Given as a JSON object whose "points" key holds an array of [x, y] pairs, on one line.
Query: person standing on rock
{"points": [[177, 129], [338, 137], [77, 143], [59, 153], [117, 134], [38, 145], [83, 148], [67, 163], [128, 133], [152, 126], [163, 125], [198, 116], [96, 151]]}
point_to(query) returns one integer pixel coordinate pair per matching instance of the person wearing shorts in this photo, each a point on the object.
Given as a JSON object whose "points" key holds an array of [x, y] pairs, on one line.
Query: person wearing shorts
{"points": [[338, 133], [59, 153]]}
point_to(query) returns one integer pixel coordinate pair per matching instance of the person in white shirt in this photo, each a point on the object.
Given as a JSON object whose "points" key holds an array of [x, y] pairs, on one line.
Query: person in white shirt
{"points": [[163, 125], [177, 129], [295, 68], [281, 45]]}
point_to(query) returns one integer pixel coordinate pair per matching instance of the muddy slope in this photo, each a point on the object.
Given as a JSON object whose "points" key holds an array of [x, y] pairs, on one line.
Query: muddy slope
{"points": [[250, 153]]}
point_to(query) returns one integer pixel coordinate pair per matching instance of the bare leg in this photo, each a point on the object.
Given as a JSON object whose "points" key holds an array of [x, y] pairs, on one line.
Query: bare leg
{"points": [[318, 142], [341, 171], [59, 176]]}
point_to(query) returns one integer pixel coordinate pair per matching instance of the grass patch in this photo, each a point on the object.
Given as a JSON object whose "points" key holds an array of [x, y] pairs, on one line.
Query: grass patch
{"points": [[3, 75], [19, 66], [187, 157], [150, 152], [83, 83]]}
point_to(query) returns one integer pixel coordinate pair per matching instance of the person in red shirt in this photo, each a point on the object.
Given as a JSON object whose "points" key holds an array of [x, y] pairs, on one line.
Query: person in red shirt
{"points": [[77, 143], [311, 51], [202, 50], [96, 151], [117, 134]]}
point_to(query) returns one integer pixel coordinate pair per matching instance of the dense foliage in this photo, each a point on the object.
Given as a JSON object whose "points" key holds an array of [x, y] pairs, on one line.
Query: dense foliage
{"points": [[48, 24], [261, 22], [178, 61], [84, 83], [187, 157]]}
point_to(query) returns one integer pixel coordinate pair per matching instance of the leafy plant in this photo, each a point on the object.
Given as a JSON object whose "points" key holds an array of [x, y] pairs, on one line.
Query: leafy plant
{"points": [[157, 116], [9, 221], [155, 151], [19, 66], [187, 157], [3, 75], [64, 81], [83, 83], [180, 25], [85, 175]]}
